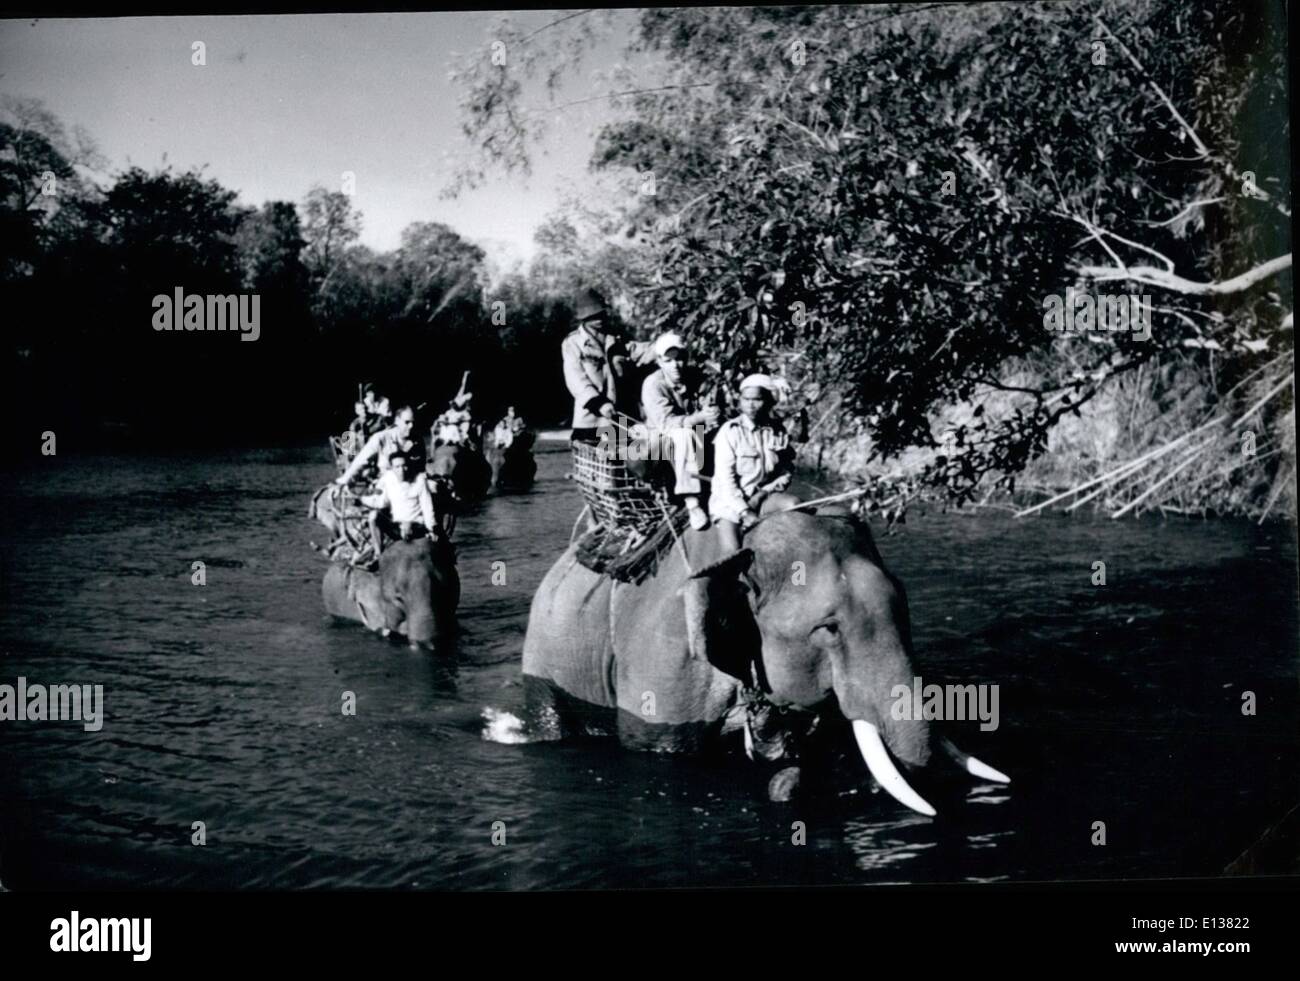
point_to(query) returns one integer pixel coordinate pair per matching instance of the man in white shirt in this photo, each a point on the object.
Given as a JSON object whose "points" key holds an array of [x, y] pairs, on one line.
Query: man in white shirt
{"points": [[408, 499]]}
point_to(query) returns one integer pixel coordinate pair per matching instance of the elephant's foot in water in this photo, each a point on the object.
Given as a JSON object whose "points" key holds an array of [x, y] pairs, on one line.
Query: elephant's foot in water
{"points": [[785, 784], [503, 726], [539, 721]]}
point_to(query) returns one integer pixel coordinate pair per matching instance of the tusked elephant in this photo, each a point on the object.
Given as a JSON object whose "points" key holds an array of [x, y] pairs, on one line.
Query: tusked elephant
{"points": [[465, 467], [664, 664], [415, 592]]}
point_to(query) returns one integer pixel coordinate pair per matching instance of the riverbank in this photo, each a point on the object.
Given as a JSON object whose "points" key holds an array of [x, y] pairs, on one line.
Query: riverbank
{"points": [[1156, 442]]}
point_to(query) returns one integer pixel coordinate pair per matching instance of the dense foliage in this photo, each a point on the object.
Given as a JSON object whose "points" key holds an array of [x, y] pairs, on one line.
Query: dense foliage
{"points": [[879, 200]]}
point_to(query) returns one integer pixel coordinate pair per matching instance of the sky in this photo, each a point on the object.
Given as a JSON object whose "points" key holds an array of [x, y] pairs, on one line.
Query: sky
{"points": [[285, 102]]}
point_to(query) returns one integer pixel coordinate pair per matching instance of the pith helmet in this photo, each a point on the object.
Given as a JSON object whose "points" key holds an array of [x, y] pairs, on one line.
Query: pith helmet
{"points": [[591, 304]]}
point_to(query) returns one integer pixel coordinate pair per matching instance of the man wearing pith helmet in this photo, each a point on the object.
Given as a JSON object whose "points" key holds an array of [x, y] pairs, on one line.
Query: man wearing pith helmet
{"points": [[595, 361]]}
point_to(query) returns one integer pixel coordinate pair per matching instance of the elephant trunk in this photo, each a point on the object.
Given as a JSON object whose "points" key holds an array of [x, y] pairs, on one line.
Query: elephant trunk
{"points": [[885, 736], [429, 620], [425, 593], [421, 629], [881, 736], [865, 683]]}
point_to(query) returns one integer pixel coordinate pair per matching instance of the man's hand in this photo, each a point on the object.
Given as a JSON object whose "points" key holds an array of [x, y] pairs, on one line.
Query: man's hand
{"points": [[607, 410], [340, 481], [748, 518], [709, 416], [780, 484]]}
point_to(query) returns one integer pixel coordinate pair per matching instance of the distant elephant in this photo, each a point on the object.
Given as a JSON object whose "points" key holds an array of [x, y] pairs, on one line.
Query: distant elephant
{"points": [[806, 613], [467, 469], [415, 593], [514, 467]]}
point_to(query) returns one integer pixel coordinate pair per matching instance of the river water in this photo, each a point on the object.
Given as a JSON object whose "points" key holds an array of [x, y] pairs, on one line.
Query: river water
{"points": [[1119, 704]]}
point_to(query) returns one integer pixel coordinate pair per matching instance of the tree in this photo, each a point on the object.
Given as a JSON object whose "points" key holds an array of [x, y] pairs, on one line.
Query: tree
{"points": [[330, 225], [438, 270], [880, 200], [39, 178], [270, 244]]}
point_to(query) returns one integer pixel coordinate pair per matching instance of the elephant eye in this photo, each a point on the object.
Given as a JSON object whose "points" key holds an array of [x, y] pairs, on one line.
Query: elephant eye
{"points": [[831, 628]]}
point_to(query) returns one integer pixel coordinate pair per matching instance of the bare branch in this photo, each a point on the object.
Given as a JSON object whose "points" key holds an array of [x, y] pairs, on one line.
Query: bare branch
{"points": [[561, 20], [1164, 279], [617, 95], [1195, 204]]}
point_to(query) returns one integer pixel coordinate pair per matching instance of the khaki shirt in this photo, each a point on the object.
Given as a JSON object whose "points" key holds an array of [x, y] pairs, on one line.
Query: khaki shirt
{"points": [[746, 456], [592, 372]]}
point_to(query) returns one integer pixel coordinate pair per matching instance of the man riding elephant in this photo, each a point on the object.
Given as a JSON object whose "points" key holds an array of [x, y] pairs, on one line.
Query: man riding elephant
{"points": [[511, 453], [752, 459], [596, 364], [675, 415], [382, 445]]}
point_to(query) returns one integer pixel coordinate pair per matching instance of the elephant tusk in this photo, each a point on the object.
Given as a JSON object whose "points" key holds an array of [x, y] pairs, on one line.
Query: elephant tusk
{"points": [[882, 768], [749, 741], [974, 767]]}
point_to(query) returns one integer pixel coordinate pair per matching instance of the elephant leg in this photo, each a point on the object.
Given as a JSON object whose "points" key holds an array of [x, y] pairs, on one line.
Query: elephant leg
{"points": [[542, 715], [638, 732]]}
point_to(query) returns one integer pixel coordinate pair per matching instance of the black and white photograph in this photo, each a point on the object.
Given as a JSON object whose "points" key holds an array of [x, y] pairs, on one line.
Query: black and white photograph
{"points": [[593, 451]]}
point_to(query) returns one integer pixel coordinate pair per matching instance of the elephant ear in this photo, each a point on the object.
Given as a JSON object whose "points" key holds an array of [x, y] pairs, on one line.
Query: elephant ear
{"points": [[720, 625], [365, 591]]}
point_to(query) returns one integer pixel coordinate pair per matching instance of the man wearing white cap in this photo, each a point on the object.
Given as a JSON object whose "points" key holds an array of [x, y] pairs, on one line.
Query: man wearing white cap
{"points": [[672, 413], [752, 459]]}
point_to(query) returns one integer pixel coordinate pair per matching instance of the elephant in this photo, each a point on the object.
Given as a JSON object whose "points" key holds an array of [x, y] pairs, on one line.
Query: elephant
{"points": [[415, 592], [513, 468], [467, 469], [805, 614]]}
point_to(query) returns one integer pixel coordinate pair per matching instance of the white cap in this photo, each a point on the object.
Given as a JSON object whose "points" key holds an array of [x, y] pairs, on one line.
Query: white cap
{"points": [[778, 387], [760, 381], [666, 342]]}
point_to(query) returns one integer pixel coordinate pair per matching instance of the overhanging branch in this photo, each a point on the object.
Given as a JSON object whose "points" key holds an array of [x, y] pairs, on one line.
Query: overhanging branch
{"points": [[1164, 279]]}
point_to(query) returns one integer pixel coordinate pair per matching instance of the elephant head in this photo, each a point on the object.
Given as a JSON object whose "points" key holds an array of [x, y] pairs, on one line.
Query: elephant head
{"points": [[808, 612], [415, 592], [464, 467], [418, 579]]}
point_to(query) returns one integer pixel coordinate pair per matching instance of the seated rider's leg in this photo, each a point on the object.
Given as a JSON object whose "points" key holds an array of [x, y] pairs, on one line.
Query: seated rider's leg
{"points": [[685, 461], [680, 446]]}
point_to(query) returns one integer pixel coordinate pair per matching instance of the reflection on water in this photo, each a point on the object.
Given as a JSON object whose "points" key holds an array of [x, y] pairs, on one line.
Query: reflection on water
{"points": [[888, 844], [1118, 703]]}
